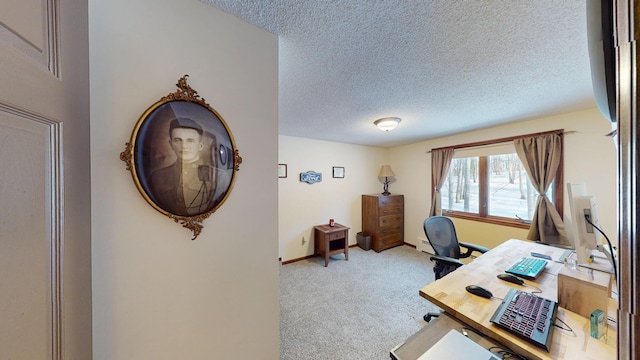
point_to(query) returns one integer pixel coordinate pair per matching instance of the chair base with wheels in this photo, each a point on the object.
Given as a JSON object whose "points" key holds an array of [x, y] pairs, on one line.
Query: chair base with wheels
{"points": [[427, 317]]}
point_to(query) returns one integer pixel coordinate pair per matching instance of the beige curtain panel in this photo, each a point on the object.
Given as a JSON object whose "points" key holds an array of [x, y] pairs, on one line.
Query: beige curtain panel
{"points": [[541, 156], [440, 163]]}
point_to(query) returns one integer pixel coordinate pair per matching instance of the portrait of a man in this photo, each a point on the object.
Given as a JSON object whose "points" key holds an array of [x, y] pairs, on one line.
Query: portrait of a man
{"points": [[187, 186], [182, 158]]}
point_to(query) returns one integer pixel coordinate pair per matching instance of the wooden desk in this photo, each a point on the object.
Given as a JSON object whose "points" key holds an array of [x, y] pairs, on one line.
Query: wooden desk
{"points": [[449, 294], [331, 240]]}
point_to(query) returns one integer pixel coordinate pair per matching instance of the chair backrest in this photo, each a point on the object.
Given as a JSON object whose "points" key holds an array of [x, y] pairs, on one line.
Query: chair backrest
{"points": [[442, 236]]}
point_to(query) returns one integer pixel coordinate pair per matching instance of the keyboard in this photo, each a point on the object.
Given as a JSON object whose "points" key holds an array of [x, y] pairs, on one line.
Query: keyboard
{"points": [[527, 267], [528, 316]]}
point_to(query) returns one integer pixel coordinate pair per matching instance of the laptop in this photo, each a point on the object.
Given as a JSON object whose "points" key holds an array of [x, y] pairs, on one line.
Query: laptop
{"points": [[455, 346]]}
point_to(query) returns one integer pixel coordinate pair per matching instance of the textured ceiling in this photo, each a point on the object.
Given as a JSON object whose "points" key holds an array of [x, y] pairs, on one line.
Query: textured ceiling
{"points": [[443, 66]]}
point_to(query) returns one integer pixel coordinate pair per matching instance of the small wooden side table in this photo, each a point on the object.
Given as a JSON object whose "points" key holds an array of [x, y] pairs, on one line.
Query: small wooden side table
{"points": [[331, 240]]}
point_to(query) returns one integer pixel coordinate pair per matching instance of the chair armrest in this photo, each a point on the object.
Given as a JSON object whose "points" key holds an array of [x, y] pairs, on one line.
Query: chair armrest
{"points": [[448, 260], [474, 247]]}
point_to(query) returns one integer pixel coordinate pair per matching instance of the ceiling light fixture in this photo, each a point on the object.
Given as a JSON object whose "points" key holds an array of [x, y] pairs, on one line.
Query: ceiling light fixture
{"points": [[388, 123]]}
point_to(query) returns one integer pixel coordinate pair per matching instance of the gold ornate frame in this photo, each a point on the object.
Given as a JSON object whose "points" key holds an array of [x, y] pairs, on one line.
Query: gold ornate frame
{"points": [[158, 170]]}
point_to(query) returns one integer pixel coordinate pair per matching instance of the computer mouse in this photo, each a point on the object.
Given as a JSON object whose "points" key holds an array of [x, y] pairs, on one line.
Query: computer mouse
{"points": [[479, 291], [510, 278]]}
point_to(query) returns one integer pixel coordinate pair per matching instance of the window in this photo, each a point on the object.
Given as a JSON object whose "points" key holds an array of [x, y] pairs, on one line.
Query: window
{"points": [[488, 183]]}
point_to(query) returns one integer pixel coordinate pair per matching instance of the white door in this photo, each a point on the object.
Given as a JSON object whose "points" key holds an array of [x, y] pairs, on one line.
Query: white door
{"points": [[45, 222]]}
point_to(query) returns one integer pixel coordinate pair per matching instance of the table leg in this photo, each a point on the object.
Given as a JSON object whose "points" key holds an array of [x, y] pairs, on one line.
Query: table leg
{"points": [[346, 245], [326, 255], [346, 250]]}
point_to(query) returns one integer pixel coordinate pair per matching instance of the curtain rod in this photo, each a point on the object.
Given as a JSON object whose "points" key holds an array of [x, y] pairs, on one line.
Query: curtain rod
{"points": [[501, 140]]}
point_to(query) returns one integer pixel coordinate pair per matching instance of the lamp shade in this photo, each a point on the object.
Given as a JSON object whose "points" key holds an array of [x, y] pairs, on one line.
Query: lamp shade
{"points": [[386, 171], [388, 123]]}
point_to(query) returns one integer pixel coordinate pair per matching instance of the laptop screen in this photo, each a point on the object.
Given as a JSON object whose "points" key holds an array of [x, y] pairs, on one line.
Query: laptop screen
{"points": [[455, 346]]}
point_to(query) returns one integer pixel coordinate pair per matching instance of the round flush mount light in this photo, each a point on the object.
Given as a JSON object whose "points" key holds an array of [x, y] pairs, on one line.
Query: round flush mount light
{"points": [[388, 123]]}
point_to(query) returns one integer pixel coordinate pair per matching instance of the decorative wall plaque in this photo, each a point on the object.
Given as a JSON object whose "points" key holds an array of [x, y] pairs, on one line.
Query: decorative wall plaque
{"points": [[310, 177], [182, 157]]}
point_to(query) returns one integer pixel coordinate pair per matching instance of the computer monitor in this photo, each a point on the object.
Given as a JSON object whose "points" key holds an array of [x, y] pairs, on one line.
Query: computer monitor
{"points": [[586, 238]]}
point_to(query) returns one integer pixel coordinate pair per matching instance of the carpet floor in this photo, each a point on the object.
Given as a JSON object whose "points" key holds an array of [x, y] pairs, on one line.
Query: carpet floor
{"points": [[356, 309]]}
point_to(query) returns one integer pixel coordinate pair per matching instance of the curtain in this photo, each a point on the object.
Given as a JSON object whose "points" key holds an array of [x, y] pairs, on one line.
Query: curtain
{"points": [[440, 162], [541, 156]]}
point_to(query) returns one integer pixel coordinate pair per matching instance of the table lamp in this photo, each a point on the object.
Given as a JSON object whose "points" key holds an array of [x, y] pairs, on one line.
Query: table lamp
{"points": [[386, 172]]}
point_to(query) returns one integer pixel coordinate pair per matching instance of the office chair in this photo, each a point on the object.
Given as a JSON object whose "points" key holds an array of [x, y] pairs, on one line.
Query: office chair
{"points": [[441, 234]]}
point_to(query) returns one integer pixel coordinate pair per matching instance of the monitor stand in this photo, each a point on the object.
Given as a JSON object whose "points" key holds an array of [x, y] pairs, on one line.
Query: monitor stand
{"points": [[602, 260]]}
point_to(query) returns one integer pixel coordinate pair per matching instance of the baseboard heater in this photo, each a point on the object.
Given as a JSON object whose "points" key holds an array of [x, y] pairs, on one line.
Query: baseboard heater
{"points": [[424, 246]]}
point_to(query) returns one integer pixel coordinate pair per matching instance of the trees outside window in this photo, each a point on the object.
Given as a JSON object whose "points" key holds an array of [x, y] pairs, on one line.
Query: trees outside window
{"points": [[492, 186]]}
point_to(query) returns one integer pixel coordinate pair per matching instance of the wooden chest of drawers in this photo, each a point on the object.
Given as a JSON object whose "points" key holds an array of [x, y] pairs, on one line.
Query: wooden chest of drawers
{"points": [[383, 219]]}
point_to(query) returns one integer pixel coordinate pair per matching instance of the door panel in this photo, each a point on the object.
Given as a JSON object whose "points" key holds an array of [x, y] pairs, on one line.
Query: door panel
{"points": [[45, 208], [28, 252], [29, 27]]}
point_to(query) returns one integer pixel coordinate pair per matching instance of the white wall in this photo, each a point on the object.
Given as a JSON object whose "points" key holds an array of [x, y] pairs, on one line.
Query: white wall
{"points": [[589, 157], [302, 205], [156, 293]]}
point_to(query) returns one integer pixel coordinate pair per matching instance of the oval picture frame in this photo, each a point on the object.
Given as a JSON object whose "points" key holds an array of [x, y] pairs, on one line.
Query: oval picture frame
{"points": [[182, 157]]}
